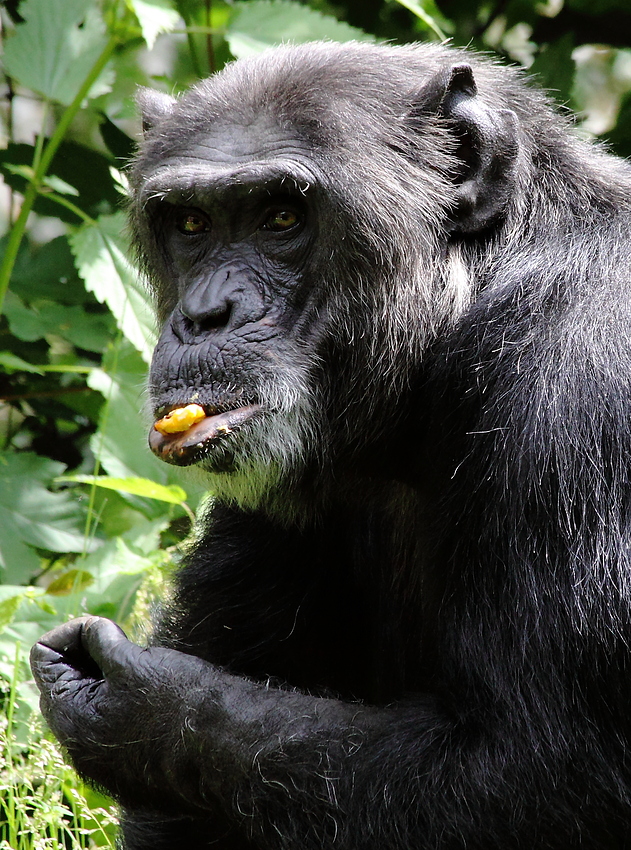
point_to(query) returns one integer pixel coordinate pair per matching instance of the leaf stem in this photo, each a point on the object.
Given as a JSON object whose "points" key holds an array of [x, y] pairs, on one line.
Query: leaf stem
{"points": [[49, 151], [41, 138], [210, 50], [64, 202]]}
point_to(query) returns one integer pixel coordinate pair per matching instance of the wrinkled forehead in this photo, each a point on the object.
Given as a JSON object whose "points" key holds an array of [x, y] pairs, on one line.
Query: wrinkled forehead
{"points": [[221, 140], [227, 157], [228, 140]]}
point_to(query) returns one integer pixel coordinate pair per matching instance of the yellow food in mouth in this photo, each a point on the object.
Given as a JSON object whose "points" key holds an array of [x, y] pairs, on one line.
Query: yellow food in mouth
{"points": [[180, 419]]}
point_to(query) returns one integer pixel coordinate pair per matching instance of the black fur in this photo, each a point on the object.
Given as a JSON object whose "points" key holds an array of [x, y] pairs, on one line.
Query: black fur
{"points": [[406, 622]]}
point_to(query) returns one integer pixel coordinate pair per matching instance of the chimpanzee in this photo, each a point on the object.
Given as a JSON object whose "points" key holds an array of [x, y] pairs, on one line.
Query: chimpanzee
{"points": [[395, 290]]}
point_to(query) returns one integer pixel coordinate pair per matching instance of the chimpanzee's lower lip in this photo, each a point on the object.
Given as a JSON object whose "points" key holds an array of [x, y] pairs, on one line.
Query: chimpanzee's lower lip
{"points": [[187, 447]]}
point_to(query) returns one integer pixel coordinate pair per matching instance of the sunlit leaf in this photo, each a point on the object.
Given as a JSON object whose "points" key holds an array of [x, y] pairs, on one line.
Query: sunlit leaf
{"points": [[426, 13], [101, 256], [154, 17], [11, 597], [60, 186], [137, 486], [70, 582], [260, 24], [54, 50], [119, 568]]}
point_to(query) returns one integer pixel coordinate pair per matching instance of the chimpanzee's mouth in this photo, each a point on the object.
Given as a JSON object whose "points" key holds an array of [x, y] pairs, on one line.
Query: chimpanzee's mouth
{"points": [[191, 445]]}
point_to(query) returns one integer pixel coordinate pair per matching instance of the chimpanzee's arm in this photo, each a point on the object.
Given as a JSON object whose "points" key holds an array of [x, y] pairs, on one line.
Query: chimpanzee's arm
{"points": [[169, 732]]}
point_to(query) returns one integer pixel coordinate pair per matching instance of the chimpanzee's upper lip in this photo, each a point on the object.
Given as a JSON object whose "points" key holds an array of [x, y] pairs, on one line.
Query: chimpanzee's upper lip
{"points": [[186, 447]]}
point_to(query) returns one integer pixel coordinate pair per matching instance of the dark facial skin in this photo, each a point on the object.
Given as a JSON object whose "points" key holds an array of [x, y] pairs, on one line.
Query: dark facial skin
{"points": [[237, 221]]}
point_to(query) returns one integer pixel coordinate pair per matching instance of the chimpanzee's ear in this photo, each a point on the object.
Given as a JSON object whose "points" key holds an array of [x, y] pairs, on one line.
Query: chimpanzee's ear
{"points": [[154, 106], [487, 147]]}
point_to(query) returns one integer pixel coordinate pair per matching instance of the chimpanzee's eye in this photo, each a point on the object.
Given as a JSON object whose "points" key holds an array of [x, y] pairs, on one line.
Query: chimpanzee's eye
{"points": [[191, 222], [281, 220]]}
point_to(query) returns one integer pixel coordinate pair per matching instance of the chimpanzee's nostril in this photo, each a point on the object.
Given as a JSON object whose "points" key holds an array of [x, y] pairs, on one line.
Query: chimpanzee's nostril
{"points": [[190, 329], [209, 303], [215, 320]]}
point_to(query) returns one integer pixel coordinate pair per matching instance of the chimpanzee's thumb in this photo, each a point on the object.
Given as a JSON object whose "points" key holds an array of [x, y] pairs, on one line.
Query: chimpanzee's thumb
{"points": [[108, 645]]}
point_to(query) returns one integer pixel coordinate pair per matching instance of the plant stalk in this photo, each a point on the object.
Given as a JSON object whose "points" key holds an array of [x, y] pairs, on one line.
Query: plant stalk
{"points": [[18, 229]]}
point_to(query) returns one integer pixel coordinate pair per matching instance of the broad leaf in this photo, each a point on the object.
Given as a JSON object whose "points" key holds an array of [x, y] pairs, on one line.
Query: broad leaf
{"points": [[31, 514], [100, 253], [49, 273], [428, 15], [555, 68], [136, 486], [260, 24], [54, 50], [72, 581], [154, 17], [11, 597], [90, 331], [119, 569]]}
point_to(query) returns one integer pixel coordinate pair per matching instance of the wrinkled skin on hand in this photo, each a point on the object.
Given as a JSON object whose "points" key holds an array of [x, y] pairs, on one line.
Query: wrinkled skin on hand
{"points": [[115, 707], [164, 731]]}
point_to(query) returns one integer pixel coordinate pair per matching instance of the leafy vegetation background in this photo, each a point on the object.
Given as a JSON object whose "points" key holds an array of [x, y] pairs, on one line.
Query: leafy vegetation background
{"points": [[90, 521]]}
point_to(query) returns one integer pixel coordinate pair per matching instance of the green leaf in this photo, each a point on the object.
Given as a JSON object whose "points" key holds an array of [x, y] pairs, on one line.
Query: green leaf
{"points": [[137, 486], [121, 442], [259, 24], [24, 323], [54, 50], [66, 368], [30, 515], [24, 171], [18, 562], [49, 273], [119, 568], [100, 253], [8, 610], [60, 186], [12, 363], [154, 17], [11, 597], [425, 15], [90, 331], [71, 581]]}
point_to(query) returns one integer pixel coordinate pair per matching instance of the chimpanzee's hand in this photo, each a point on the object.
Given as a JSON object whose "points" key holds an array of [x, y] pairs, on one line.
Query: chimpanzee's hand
{"points": [[165, 731], [117, 708]]}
